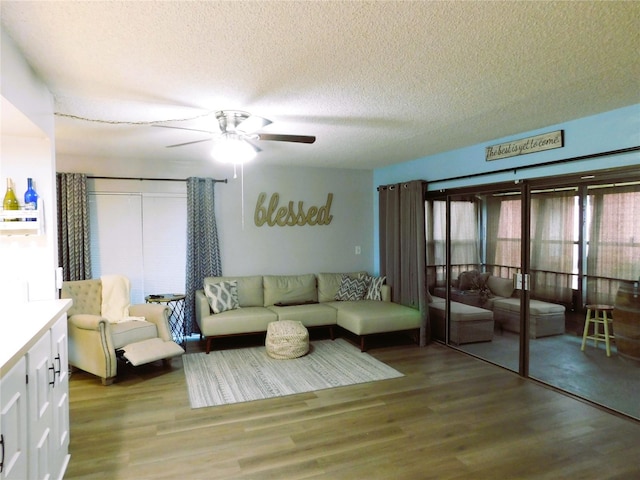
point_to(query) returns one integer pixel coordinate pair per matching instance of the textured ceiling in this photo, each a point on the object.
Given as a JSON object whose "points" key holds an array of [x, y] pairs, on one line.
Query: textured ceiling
{"points": [[376, 82]]}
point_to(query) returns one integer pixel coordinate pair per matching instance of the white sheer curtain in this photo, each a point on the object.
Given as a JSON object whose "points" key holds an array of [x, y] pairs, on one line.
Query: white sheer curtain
{"points": [[614, 241], [435, 235], [554, 237], [504, 232], [465, 238]]}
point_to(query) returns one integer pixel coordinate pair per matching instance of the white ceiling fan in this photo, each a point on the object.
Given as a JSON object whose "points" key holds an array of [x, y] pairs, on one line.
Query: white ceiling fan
{"points": [[238, 129]]}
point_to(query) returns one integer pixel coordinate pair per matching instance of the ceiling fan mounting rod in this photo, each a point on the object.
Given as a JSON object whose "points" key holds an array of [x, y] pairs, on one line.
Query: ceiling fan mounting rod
{"points": [[230, 119]]}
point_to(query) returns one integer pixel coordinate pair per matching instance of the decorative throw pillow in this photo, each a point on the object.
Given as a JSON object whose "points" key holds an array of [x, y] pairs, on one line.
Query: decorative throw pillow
{"points": [[351, 288], [373, 291], [222, 296], [482, 280], [467, 279], [473, 280], [502, 287]]}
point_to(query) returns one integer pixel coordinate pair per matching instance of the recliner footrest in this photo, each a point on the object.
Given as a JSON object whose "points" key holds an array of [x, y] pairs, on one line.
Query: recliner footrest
{"points": [[148, 351]]}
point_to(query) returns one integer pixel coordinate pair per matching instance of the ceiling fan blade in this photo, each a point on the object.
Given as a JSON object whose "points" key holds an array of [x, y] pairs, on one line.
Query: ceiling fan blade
{"points": [[182, 128], [286, 138], [255, 147], [253, 123], [189, 143]]}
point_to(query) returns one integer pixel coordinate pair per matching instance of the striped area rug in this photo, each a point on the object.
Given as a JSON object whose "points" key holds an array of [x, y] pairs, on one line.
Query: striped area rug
{"points": [[247, 374]]}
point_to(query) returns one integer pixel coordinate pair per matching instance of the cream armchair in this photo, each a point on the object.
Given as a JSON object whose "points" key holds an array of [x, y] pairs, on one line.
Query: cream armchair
{"points": [[96, 344]]}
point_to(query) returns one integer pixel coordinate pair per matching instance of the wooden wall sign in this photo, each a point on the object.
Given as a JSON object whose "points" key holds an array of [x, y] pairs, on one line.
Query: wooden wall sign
{"points": [[291, 214], [546, 141]]}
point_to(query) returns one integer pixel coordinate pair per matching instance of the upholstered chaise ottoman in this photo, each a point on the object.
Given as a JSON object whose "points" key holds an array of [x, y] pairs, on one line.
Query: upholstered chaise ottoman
{"points": [[545, 318], [287, 339], [469, 324]]}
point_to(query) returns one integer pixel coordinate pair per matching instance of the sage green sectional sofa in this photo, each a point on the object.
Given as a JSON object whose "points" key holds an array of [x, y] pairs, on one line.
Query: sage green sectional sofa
{"points": [[309, 298]]}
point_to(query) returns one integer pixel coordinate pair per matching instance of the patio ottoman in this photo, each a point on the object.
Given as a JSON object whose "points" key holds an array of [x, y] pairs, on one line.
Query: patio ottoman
{"points": [[469, 324], [545, 319], [287, 339]]}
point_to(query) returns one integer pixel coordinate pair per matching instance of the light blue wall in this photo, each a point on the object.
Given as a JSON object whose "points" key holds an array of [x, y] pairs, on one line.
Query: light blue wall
{"points": [[614, 130]]}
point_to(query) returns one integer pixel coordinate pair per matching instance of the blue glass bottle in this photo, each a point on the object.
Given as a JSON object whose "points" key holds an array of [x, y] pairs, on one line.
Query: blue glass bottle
{"points": [[30, 199]]}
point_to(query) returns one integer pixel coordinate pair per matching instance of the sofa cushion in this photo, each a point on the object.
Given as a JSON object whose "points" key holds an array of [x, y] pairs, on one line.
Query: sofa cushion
{"points": [[351, 289], [328, 284], [502, 287], [460, 312], [241, 320], [250, 291], [469, 324], [371, 316], [131, 331], [536, 307], [289, 289], [222, 296], [313, 315], [375, 284]]}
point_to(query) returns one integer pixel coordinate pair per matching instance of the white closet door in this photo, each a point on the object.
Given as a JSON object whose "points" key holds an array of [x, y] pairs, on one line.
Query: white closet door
{"points": [[164, 233], [141, 236], [116, 238]]}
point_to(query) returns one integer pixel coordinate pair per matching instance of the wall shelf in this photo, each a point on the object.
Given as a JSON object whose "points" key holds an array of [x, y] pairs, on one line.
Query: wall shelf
{"points": [[19, 222]]}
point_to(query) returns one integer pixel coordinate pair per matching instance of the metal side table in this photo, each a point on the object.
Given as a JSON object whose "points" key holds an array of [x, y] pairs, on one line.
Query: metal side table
{"points": [[175, 302]]}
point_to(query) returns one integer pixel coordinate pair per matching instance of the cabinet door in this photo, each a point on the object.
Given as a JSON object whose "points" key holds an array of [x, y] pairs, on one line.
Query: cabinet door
{"points": [[60, 435], [40, 369], [13, 422]]}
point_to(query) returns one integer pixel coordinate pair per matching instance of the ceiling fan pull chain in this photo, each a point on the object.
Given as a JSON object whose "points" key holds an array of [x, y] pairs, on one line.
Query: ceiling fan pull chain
{"points": [[241, 192]]}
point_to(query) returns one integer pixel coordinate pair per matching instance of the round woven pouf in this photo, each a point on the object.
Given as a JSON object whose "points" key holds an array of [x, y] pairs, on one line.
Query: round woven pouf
{"points": [[287, 339]]}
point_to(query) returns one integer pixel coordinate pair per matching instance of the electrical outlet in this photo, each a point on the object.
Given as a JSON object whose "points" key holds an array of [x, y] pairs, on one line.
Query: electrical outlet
{"points": [[358, 250]]}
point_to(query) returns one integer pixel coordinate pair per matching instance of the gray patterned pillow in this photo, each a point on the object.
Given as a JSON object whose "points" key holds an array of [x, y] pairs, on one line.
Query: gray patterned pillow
{"points": [[351, 289], [222, 296], [374, 285]]}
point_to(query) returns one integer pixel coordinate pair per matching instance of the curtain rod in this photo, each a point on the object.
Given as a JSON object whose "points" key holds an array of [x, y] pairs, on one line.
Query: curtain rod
{"points": [[215, 180], [526, 167], [543, 164]]}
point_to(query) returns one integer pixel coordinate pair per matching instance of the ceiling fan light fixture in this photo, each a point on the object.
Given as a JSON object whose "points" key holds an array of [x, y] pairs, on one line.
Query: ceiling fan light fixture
{"points": [[233, 149]]}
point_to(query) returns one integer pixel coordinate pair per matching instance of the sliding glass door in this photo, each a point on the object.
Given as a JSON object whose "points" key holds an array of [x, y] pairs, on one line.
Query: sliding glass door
{"points": [[474, 257], [585, 245], [513, 271]]}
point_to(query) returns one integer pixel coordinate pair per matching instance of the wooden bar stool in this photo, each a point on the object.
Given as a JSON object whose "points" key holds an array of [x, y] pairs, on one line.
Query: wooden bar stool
{"points": [[598, 315]]}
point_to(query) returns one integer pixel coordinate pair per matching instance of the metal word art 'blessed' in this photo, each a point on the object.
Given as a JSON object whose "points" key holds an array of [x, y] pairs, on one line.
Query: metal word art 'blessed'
{"points": [[290, 215]]}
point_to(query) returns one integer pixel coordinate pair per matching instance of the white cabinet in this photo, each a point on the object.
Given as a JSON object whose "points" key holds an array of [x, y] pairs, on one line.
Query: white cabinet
{"points": [[41, 375], [13, 422], [60, 393], [34, 425]]}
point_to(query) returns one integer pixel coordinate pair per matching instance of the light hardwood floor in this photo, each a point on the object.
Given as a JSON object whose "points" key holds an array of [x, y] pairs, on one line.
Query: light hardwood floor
{"points": [[450, 417]]}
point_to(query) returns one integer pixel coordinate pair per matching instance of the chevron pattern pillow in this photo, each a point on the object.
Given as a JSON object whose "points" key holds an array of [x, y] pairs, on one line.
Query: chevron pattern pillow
{"points": [[373, 290], [222, 296], [351, 289]]}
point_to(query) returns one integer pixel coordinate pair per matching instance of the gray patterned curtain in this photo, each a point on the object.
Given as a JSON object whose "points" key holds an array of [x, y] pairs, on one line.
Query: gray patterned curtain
{"points": [[74, 250], [203, 251], [403, 246]]}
